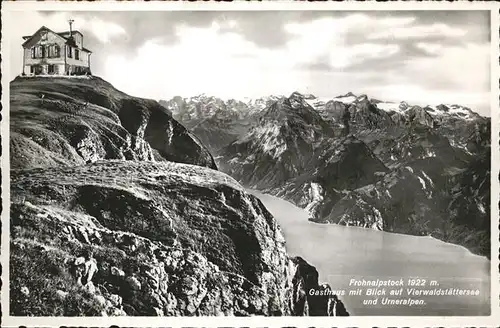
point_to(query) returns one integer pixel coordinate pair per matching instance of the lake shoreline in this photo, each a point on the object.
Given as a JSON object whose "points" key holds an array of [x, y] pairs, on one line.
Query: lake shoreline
{"points": [[340, 253], [380, 231], [395, 233]]}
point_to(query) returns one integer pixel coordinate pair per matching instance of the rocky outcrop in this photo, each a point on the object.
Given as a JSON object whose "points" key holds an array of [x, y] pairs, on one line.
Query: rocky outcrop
{"points": [[364, 114], [145, 238], [61, 121], [418, 115], [310, 298], [279, 147]]}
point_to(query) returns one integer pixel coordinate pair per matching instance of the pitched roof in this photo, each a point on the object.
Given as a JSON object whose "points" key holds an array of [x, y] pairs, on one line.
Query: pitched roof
{"points": [[62, 34], [68, 32], [69, 40]]}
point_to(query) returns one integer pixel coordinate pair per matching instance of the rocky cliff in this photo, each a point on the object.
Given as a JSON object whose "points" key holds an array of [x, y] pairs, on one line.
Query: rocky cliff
{"points": [[165, 239], [102, 227]]}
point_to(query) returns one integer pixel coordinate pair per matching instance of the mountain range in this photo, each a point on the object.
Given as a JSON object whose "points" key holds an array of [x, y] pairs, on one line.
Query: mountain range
{"points": [[357, 161]]}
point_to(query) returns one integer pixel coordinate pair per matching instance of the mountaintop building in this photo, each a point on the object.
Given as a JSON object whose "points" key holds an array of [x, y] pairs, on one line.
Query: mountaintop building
{"points": [[49, 53]]}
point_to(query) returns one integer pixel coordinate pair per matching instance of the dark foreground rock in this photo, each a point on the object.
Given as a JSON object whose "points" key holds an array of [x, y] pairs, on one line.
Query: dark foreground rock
{"points": [[150, 239]]}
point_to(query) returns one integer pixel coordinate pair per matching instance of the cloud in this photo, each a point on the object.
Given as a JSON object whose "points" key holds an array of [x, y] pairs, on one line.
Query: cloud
{"points": [[219, 56], [205, 60], [362, 53], [453, 74], [103, 31], [429, 48], [418, 31], [315, 39], [219, 59], [458, 68]]}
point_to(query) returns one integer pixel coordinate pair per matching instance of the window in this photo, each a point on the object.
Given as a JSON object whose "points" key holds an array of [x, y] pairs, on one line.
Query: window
{"points": [[36, 69], [51, 69], [70, 51], [54, 51], [77, 54], [44, 35], [37, 52]]}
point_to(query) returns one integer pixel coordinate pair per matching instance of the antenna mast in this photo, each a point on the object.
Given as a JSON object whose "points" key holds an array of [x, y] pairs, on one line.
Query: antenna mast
{"points": [[70, 21]]}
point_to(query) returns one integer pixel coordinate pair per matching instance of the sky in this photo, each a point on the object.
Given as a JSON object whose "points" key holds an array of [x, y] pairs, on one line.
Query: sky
{"points": [[422, 57]]}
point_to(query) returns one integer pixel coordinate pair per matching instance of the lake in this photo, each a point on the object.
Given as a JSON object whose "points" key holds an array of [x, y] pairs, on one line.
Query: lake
{"points": [[345, 256]]}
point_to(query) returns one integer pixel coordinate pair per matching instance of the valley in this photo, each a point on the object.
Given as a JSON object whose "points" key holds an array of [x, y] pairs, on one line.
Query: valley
{"points": [[356, 161]]}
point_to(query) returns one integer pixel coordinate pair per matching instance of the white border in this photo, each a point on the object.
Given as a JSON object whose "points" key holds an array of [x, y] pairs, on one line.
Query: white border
{"points": [[492, 320], [495, 162]]}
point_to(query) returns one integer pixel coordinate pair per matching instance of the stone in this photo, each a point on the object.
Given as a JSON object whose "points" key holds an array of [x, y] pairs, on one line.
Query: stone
{"points": [[83, 234], [100, 300], [158, 312], [117, 272], [90, 269], [90, 287], [25, 291], [243, 303], [189, 286], [61, 294], [79, 261], [116, 300], [134, 283], [114, 312]]}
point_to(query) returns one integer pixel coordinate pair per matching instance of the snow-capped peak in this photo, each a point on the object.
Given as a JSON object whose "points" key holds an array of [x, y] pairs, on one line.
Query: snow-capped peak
{"points": [[452, 110], [392, 106], [346, 99]]}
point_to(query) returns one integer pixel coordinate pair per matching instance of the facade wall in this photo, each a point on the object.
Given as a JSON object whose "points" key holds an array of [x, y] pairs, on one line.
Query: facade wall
{"points": [[59, 69], [83, 61], [33, 61], [51, 39], [78, 39]]}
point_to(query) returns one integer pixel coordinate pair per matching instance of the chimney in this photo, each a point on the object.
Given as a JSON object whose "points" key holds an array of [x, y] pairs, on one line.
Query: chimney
{"points": [[70, 27]]}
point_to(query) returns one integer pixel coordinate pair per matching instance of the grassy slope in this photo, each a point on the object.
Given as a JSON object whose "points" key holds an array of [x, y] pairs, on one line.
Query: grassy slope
{"points": [[82, 120]]}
